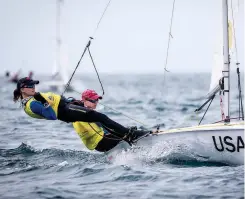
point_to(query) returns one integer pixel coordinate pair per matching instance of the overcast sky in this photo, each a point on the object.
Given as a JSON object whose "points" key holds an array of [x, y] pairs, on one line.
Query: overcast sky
{"points": [[132, 37]]}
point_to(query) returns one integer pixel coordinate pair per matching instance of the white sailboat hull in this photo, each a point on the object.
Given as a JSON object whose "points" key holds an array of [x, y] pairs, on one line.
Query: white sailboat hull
{"points": [[215, 143]]}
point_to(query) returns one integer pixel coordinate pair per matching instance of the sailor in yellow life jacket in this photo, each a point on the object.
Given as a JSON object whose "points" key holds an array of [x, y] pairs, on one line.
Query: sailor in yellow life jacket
{"points": [[94, 135], [51, 106]]}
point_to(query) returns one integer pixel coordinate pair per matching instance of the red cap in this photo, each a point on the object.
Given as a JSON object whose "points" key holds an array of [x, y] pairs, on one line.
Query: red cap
{"points": [[90, 94]]}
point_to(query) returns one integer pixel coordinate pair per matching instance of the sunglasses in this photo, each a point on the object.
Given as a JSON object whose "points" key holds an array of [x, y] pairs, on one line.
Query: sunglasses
{"points": [[29, 86], [92, 101]]}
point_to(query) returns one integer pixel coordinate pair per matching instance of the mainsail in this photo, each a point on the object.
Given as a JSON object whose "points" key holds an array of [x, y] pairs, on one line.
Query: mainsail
{"points": [[217, 57], [218, 60]]}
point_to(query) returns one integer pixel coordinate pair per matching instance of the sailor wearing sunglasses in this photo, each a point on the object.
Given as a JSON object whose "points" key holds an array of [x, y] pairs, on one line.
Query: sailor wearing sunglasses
{"points": [[94, 135], [51, 106]]}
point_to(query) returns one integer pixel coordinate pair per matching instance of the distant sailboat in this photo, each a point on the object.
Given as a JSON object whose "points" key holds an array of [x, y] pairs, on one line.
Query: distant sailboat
{"points": [[60, 72]]}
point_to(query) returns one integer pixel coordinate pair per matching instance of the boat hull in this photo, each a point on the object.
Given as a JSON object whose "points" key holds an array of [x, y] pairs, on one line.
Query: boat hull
{"points": [[222, 143]]}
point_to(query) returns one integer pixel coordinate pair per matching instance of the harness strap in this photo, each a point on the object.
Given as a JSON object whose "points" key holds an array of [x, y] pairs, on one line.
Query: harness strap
{"points": [[24, 101]]}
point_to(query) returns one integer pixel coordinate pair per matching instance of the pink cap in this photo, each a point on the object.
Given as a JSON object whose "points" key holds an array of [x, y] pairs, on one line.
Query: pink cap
{"points": [[90, 94]]}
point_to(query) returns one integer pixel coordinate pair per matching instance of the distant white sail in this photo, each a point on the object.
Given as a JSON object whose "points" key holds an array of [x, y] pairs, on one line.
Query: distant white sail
{"points": [[60, 74], [54, 71], [64, 72]]}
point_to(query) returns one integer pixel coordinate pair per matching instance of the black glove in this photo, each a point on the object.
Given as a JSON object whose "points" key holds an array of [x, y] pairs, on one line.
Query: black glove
{"points": [[37, 96]]}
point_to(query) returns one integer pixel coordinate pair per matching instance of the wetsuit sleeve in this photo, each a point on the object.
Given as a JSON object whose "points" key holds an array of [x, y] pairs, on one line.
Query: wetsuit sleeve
{"points": [[72, 100], [47, 112]]}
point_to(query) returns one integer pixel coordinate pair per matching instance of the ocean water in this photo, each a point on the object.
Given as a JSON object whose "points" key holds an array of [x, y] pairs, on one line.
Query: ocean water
{"points": [[46, 159]]}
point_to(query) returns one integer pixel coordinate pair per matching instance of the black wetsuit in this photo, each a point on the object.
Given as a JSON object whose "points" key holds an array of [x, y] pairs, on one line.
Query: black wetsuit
{"points": [[69, 112], [107, 143]]}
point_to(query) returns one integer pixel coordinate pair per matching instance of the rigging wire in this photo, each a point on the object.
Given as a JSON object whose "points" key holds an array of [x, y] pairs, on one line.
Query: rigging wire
{"points": [[69, 82], [85, 49], [169, 39], [101, 18], [206, 109], [116, 110], [234, 31], [237, 63], [96, 71]]}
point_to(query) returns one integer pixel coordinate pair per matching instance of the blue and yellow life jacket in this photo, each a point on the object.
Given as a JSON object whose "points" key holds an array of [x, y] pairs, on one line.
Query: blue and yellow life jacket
{"points": [[52, 99]]}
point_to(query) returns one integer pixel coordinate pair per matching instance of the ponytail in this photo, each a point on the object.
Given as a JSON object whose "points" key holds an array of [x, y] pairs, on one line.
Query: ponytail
{"points": [[17, 95]]}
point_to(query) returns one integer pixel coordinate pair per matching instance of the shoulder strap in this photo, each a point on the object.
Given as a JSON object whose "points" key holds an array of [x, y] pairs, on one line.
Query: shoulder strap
{"points": [[24, 101]]}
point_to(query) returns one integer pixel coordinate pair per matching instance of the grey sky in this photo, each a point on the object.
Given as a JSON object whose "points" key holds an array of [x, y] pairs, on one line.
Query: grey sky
{"points": [[132, 36]]}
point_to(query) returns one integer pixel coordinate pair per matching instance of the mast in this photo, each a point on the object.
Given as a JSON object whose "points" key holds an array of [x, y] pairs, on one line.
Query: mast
{"points": [[226, 59]]}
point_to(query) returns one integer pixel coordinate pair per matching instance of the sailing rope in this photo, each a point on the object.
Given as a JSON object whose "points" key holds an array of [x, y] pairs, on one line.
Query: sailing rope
{"points": [[237, 64], [69, 82], [96, 71], [169, 39], [85, 49]]}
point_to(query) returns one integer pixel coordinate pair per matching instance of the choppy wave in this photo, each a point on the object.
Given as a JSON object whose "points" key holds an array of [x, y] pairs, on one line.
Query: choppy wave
{"points": [[157, 154], [26, 158], [54, 163]]}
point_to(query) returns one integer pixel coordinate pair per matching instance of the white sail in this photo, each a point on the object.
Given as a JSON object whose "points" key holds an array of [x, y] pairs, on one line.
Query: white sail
{"points": [[61, 58], [54, 71], [64, 72], [60, 72], [217, 56]]}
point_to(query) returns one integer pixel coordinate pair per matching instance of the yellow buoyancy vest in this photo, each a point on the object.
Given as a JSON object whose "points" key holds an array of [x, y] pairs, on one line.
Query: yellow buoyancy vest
{"points": [[90, 133], [52, 99]]}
